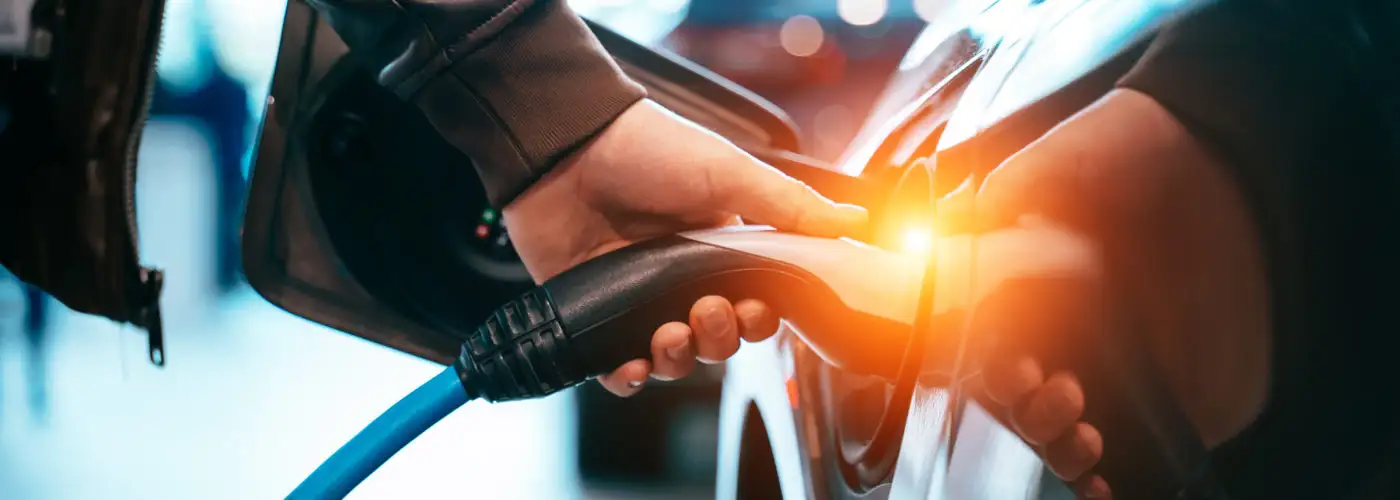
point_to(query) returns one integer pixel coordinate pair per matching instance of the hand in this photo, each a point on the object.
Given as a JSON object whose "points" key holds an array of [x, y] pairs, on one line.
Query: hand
{"points": [[1127, 174], [652, 173]]}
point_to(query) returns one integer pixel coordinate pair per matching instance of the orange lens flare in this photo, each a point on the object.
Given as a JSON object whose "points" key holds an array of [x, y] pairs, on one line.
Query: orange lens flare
{"points": [[916, 240]]}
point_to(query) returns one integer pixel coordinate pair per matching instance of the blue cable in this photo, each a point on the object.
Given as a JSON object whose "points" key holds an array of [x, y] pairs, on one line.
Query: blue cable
{"points": [[384, 437]]}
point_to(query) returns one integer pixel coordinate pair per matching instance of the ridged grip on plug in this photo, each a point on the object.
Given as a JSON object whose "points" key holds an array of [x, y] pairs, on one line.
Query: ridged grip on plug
{"points": [[520, 352]]}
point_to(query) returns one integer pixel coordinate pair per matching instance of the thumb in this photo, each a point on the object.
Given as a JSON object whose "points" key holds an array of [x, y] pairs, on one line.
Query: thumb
{"points": [[1090, 168], [763, 194]]}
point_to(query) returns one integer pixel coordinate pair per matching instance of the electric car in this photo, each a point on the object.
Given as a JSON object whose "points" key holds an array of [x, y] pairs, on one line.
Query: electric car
{"points": [[335, 236]]}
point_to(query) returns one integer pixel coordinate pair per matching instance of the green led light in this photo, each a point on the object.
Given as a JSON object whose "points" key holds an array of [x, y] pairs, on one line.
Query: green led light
{"points": [[488, 216]]}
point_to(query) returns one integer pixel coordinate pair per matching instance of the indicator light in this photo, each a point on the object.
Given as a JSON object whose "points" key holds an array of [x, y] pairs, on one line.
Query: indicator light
{"points": [[482, 231], [488, 216]]}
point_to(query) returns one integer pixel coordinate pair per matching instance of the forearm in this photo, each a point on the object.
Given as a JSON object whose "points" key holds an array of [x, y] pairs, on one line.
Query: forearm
{"points": [[1270, 87], [1285, 96], [516, 85]]}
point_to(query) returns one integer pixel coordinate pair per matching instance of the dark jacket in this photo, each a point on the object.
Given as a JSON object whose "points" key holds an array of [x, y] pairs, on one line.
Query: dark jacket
{"points": [[1300, 98], [516, 85]]}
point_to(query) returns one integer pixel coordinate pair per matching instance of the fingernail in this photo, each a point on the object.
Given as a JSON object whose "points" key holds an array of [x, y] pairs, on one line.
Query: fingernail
{"points": [[680, 352], [634, 384], [715, 321]]}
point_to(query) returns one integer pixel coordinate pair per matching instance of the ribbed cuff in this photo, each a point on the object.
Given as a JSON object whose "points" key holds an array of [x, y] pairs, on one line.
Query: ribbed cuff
{"points": [[527, 98]]}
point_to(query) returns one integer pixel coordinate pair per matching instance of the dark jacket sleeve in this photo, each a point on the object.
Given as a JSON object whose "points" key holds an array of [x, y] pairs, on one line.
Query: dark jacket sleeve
{"points": [[1267, 83], [1297, 98], [516, 85]]}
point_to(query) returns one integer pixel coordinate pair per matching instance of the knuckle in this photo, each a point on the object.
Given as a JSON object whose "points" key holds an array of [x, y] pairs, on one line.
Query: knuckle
{"points": [[1038, 418], [1009, 382], [1032, 429], [1063, 398], [1067, 458]]}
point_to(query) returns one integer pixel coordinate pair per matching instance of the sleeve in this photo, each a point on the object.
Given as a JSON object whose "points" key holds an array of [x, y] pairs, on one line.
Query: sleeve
{"points": [[516, 85], [1262, 82], [1276, 88], [1284, 92]]}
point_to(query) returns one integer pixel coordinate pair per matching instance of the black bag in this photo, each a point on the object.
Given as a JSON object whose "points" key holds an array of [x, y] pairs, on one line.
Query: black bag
{"points": [[67, 181]]}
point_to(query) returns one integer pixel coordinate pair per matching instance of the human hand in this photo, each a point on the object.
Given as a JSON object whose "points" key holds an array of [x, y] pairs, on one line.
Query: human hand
{"points": [[649, 174], [1127, 174]]}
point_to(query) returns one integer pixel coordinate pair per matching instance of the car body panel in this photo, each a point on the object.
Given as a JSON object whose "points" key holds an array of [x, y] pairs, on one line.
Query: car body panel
{"points": [[1071, 39]]}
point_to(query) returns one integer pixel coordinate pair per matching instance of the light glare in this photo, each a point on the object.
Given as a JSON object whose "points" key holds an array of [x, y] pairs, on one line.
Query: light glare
{"points": [[917, 241]]}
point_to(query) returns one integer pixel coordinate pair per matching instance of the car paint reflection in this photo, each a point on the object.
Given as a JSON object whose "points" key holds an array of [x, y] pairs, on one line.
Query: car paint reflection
{"points": [[1077, 36]]}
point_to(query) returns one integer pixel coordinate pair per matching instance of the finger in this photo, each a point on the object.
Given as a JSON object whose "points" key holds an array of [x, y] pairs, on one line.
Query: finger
{"points": [[716, 329], [765, 195], [1093, 488], [1075, 452], [1008, 381], [671, 352], [1050, 410], [627, 379], [757, 321]]}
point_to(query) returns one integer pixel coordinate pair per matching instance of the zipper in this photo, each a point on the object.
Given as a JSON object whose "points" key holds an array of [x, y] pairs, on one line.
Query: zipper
{"points": [[150, 281]]}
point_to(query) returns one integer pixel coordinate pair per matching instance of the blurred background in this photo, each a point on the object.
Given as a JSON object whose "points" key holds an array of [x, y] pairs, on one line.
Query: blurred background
{"points": [[253, 398]]}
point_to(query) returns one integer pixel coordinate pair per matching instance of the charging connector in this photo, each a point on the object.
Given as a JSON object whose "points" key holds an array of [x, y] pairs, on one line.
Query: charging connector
{"points": [[521, 351]]}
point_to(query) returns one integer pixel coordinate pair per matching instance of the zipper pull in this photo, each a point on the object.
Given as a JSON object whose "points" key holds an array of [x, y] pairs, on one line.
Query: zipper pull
{"points": [[152, 280]]}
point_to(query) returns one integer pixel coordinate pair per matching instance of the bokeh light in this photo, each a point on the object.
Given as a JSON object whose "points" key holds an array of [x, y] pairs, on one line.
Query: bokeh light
{"points": [[801, 35], [182, 66], [833, 124], [929, 10], [862, 12], [246, 35], [644, 21]]}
